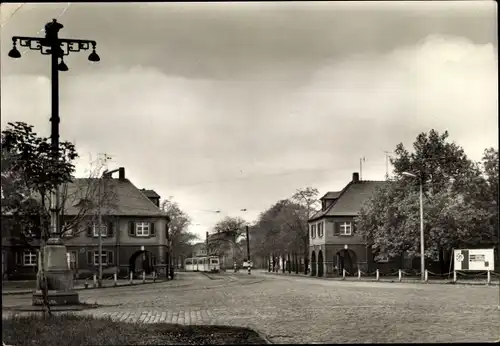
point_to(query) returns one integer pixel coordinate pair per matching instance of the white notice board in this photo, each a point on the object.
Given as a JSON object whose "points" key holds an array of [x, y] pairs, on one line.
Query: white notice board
{"points": [[474, 259]]}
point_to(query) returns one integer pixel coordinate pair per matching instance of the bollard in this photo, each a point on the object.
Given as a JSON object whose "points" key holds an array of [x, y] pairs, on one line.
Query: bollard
{"points": [[131, 278], [95, 281], [454, 276], [154, 276], [400, 275], [359, 274], [489, 277], [377, 275], [343, 274], [143, 276], [249, 270], [115, 279], [426, 275], [86, 284]]}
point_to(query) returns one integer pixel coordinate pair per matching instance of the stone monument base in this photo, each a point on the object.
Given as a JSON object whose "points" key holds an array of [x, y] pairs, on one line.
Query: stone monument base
{"points": [[56, 298]]}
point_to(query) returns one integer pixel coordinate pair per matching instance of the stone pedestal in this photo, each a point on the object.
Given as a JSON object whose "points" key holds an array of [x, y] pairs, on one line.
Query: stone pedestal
{"points": [[59, 276]]}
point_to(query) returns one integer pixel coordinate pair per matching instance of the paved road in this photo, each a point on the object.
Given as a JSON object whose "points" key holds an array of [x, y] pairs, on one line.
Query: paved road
{"points": [[302, 310]]}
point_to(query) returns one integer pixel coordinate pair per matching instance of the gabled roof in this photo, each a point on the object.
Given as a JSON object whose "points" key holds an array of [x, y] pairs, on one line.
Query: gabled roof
{"points": [[331, 195], [126, 199], [150, 193], [350, 199]]}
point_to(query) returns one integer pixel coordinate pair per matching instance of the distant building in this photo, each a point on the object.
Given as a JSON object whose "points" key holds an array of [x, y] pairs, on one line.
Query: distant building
{"points": [[199, 250], [334, 244], [223, 245], [134, 233]]}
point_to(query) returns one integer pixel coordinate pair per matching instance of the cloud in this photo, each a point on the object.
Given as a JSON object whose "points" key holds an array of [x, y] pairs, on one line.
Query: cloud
{"points": [[242, 119]]}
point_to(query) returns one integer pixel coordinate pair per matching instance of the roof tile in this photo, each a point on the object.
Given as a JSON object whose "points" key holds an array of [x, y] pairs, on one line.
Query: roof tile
{"points": [[350, 199], [126, 198]]}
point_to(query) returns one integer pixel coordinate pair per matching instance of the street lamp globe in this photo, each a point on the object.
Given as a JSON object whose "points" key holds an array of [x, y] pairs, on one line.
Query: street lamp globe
{"points": [[62, 66], [14, 53], [94, 57]]}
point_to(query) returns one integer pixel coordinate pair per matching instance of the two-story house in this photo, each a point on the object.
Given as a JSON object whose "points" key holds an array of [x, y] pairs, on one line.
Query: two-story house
{"points": [[334, 245], [133, 230]]}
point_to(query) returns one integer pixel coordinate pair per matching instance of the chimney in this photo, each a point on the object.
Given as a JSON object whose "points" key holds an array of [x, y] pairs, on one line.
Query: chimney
{"points": [[121, 173], [355, 177]]}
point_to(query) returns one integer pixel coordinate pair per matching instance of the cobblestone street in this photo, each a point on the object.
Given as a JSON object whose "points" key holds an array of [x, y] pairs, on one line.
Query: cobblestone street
{"points": [[303, 310]]}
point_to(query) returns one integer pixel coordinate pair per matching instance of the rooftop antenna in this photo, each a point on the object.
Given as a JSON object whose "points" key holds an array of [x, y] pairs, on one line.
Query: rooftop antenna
{"points": [[361, 160]]}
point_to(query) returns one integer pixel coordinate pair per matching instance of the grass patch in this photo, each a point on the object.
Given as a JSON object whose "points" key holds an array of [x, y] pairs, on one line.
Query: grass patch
{"points": [[69, 329]]}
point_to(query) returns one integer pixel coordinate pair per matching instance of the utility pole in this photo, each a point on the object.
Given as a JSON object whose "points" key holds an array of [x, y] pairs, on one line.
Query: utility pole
{"points": [[248, 252], [422, 244], [99, 216], [206, 243], [57, 48], [386, 164]]}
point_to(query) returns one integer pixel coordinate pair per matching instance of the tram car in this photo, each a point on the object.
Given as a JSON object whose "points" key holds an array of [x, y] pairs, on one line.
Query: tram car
{"points": [[202, 264]]}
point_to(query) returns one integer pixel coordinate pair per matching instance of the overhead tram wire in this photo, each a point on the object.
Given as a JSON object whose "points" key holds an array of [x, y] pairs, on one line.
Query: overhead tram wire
{"points": [[12, 15], [297, 171]]}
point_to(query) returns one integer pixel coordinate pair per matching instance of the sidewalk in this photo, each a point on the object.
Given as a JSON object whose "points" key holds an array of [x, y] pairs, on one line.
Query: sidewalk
{"points": [[80, 285], [415, 280]]}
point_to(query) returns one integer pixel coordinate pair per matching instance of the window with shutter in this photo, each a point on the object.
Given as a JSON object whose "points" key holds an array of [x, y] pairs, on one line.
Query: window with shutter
{"points": [[90, 257], [152, 229], [89, 230], [131, 228], [336, 228], [142, 229], [18, 260], [110, 257], [111, 231]]}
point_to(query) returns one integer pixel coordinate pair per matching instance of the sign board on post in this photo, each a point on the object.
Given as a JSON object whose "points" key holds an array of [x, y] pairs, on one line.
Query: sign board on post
{"points": [[474, 259]]}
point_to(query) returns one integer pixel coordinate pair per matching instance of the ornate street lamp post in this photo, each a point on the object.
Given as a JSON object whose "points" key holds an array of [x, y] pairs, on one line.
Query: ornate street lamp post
{"points": [[59, 276]]}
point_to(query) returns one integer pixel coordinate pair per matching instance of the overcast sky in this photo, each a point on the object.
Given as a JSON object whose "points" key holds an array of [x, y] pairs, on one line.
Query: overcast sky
{"points": [[227, 106]]}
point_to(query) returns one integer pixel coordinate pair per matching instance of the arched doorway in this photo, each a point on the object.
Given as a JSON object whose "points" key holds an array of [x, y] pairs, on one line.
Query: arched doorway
{"points": [[346, 259], [142, 261], [313, 264], [320, 263]]}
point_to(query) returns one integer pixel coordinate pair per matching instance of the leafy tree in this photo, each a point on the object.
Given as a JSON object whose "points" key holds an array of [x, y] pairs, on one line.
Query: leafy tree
{"points": [[283, 228], [436, 161], [455, 211], [179, 238], [31, 174]]}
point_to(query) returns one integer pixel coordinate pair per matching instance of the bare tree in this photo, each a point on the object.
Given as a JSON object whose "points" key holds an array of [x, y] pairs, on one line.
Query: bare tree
{"points": [[307, 198], [233, 227], [83, 199]]}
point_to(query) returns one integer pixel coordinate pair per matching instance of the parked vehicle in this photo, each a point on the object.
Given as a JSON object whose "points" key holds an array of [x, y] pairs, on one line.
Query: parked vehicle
{"points": [[246, 264]]}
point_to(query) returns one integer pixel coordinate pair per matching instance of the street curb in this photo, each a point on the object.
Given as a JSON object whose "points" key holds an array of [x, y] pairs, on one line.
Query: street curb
{"points": [[411, 281], [11, 293], [261, 334]]}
